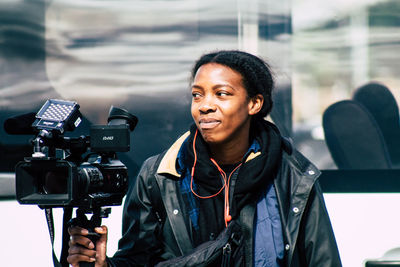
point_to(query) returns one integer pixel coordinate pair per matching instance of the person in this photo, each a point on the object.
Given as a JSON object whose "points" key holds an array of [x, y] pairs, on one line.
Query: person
{"points": [[230, 159]]}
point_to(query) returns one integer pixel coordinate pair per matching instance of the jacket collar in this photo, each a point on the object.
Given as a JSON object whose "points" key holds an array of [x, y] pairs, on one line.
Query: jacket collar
{"points": [[168, 162]]}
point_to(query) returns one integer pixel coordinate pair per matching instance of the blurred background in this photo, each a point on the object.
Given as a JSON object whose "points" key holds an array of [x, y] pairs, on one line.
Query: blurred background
{"points": [[137, 55]]}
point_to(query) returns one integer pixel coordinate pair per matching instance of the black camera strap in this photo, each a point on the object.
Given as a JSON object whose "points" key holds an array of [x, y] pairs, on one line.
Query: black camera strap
{"points": [[65, 236], [50, 225]]}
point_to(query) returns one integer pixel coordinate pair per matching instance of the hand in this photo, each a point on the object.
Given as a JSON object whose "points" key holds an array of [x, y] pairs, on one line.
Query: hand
{"points": [[81, 248]]}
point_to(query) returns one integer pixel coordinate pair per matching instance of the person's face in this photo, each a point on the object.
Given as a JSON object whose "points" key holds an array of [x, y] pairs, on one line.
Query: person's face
{"points": [[221, 107]]}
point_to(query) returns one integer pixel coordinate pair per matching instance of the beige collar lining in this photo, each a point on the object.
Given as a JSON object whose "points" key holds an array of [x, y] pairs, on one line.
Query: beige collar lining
{"points": [[168, 162]]}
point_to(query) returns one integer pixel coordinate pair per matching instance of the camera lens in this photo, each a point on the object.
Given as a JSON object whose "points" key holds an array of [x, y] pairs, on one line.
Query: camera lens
{"points": [[91, 178], [55, 182]]}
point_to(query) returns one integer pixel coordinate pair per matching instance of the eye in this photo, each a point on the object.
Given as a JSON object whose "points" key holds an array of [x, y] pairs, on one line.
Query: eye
{"points": [[223, 93], [196, 94]]}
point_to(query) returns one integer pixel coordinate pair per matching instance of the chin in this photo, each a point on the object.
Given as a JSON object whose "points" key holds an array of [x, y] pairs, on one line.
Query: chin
{"points": [[211, 139], [208, 137]]}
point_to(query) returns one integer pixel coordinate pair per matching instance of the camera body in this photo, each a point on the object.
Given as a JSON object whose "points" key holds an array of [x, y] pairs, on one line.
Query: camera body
{"points": [[81, 172]]}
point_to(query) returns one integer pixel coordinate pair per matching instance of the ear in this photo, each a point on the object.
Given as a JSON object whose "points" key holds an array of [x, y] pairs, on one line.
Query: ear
{"points": [[255, 104]]}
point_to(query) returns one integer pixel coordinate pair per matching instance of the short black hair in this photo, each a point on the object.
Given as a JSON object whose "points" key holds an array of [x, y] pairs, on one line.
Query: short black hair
{"points": [[256, 73]]}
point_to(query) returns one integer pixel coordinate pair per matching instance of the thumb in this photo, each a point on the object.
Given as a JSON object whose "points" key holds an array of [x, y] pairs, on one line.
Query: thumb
{"points": [[101, 244]]}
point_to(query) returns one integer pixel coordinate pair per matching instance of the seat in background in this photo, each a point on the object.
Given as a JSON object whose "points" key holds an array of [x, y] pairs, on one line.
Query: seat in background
{"points": [[353, 137], [382, 105]]}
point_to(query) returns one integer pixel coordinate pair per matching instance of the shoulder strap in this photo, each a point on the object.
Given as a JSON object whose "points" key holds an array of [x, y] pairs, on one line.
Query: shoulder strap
{"points": [[166, 206], [155, 194], [246, 219], [168, 189]]}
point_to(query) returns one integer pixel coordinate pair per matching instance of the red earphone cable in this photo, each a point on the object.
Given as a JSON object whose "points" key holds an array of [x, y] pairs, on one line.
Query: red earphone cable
{"points": [[193, 168], [227, 215]]}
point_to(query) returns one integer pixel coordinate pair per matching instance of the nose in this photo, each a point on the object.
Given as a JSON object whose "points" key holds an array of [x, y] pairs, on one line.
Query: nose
{"points": [[207, 105]]}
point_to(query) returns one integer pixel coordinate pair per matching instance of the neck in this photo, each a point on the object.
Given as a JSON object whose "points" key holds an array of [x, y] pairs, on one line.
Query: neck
{"points": [[229, 153]]}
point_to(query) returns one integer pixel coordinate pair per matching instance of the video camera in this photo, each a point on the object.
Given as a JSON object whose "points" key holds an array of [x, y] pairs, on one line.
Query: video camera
{"points": [[81, 172]]}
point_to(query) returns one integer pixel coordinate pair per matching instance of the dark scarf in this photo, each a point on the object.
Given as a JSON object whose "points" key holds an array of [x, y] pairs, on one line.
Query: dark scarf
{"points": [[253, 177]]}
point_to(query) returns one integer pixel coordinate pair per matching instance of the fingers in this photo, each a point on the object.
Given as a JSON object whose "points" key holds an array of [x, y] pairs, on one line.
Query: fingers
{"points": [[74, 250], [79, 237], [78, 253], [76, 230], [81, 240], [74, 259], [81, 248]]}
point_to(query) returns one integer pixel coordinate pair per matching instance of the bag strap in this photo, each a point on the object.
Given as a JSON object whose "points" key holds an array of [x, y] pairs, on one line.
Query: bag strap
{"points": [[175, 217], [155, 193], [246, 219], [169, 202]]}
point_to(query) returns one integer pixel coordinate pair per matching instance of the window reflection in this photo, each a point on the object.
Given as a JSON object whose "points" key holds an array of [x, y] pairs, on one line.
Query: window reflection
{"points": [[343, 46]]}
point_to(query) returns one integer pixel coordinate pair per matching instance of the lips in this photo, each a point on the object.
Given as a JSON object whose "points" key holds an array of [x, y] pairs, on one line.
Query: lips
{"points": [[208, 123]]}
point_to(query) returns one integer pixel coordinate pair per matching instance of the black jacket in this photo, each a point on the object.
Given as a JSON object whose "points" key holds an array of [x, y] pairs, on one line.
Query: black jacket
{"points": [[155, 227]]}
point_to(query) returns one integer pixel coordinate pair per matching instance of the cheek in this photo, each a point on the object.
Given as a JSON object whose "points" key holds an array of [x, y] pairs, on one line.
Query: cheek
{"points": [[234, 110], [193, 110], [195, 113], [236, 116]]}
